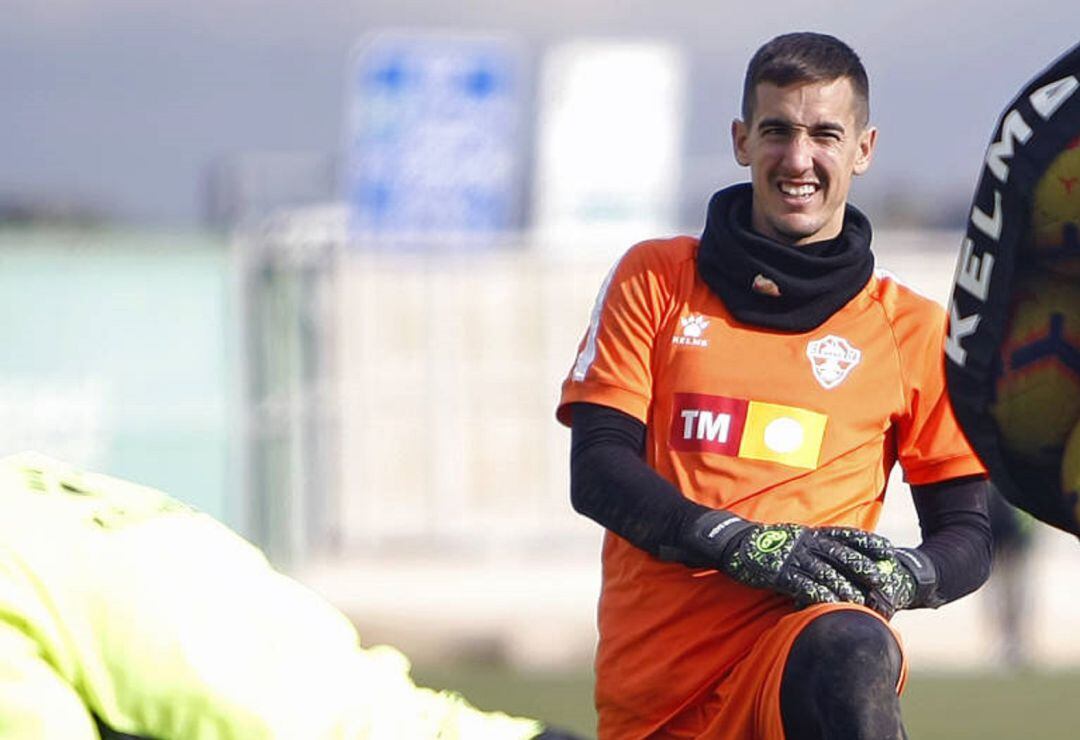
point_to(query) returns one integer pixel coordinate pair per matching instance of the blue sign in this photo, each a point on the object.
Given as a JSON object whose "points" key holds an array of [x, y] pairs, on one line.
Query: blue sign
{"points": [[433, 145]]}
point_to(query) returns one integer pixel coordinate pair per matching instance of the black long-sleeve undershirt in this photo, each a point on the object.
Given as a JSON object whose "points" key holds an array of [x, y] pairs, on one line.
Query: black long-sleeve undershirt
{"points": [[954, 518], [611, 484]]}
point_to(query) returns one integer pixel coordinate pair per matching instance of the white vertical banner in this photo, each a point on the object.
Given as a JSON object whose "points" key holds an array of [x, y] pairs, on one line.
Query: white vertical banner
{"points": [[610, 142]]}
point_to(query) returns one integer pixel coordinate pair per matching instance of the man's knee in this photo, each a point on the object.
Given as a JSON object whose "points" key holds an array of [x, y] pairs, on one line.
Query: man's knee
{"points": [[849, 647], [840, 680]]}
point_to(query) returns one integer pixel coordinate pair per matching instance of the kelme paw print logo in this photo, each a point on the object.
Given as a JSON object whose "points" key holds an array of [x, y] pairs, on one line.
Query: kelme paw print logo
{"points": [[693, 326]]}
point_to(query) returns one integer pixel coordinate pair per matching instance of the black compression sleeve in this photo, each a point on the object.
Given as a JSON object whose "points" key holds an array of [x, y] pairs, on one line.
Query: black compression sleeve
{"points": [[611, 483], [955, 523]]}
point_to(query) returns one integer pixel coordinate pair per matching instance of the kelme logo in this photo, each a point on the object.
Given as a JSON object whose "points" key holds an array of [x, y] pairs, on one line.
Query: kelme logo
{"points": [[693, 330]]}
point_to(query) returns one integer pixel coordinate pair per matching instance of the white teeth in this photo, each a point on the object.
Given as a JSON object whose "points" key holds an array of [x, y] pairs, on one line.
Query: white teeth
{"points": [[799, 190]]}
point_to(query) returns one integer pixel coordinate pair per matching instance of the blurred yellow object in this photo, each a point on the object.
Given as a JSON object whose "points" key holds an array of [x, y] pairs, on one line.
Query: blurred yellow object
{"points": [[117, 599]]}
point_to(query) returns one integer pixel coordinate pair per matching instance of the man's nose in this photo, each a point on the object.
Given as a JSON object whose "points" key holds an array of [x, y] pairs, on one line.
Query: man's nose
{"points": [[798, 153]]}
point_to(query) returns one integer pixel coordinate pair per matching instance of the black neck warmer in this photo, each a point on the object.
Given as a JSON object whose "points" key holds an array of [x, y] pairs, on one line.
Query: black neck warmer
{"points": [[780, 286]]}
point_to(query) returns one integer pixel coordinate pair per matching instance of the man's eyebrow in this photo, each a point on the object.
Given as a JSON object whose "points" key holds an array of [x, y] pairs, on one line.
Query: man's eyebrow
{"points": [[774, 123], [785, 123], [829, 126]]}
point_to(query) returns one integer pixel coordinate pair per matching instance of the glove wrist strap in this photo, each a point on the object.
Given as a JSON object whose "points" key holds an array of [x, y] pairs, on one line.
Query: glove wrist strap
{"points": [[926, 580], [716, 534], [708, 540]]}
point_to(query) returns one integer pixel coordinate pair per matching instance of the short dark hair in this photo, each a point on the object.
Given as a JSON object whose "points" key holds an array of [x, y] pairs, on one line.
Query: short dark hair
{"points": [[805, 57]]}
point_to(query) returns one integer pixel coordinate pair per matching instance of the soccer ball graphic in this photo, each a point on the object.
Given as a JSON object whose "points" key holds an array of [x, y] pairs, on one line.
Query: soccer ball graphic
{"points": [[1055, 213], [1037, 391]]}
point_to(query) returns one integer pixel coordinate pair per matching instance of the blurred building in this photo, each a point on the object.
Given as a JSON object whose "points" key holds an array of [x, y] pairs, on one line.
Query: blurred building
{"points": [[27, 210]]}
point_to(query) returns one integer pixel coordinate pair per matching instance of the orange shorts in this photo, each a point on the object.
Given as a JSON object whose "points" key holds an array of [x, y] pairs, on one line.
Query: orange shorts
{"points": [[745, 705]]}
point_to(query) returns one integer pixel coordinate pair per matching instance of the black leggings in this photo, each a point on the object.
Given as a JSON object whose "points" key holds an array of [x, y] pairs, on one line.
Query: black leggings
{"points": [[840, 681]]}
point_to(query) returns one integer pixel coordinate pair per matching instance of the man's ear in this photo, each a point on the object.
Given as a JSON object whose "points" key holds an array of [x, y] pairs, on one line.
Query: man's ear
{"points": [[867, 142], [739, 134]]}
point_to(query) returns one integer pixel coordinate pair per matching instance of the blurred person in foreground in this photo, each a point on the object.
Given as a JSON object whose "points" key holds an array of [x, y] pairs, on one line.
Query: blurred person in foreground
{"points": [[737, 403], [127, 614]]}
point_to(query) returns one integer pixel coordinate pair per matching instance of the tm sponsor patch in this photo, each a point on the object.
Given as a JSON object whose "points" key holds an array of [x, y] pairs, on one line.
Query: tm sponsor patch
{"points": [[750, 429]]}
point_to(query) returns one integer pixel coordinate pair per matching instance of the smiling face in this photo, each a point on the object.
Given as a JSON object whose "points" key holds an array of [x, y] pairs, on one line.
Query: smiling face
{"points": [[803, 144]]}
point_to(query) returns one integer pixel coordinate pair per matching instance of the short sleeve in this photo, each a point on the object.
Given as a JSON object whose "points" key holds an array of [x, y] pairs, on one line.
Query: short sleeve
{"points": [[614, 362], [930, 444]]}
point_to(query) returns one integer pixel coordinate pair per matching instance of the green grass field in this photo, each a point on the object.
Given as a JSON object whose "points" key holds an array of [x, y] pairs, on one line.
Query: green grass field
{"points": [[988, 706]]}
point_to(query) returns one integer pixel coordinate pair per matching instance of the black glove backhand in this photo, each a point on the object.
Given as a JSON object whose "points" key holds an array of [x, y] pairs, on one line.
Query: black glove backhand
{"points": [[792, 559], [906, 578]]}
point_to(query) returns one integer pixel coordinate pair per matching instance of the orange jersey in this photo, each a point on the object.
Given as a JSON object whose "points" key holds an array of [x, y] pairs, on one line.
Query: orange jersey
{"points": [[773, 426]]}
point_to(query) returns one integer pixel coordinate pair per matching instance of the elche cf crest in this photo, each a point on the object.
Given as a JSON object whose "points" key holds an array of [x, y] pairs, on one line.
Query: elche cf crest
{"points": [[832, 359]]}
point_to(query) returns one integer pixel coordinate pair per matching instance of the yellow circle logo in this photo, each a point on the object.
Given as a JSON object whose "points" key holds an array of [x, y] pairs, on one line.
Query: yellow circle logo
{"points": [[771, 540]]}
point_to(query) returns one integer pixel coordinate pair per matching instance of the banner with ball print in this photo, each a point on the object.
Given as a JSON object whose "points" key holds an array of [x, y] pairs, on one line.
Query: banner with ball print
{"points": [[1013, 349]]}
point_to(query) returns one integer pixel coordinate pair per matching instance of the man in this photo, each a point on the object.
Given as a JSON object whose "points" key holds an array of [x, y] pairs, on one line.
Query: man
{"points": [[737, 404], [126, 613]]}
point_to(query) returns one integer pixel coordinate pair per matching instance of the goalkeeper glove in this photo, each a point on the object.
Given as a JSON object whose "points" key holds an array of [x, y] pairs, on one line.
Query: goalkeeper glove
{"points": [[791, 559], [906, 578]]}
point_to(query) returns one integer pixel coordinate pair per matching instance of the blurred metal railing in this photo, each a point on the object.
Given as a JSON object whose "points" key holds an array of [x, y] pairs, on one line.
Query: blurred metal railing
{"points": [[286, 272]]}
